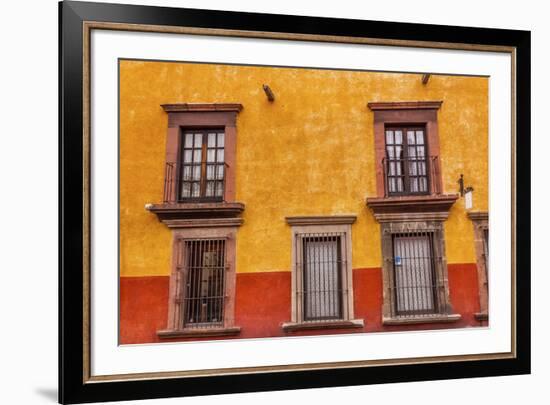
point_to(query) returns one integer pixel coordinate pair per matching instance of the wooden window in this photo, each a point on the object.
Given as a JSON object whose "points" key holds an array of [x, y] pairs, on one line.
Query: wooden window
{"points": [[203, 267], [202, 168], [480, 220], [406, 148], [406, 164], [415, 287], [321, 276]]}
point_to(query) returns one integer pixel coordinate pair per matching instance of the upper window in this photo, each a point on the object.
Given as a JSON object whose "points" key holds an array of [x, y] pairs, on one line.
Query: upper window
{"points": [[200, 155], [406, 165], [201, 170], [406, 148]]}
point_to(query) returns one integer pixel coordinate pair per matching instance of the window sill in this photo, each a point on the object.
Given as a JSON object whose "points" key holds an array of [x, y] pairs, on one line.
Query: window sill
{"points": [[419, 207], [189, 214], [481, 316], [206, 332], [411, 320], [298, 326]]}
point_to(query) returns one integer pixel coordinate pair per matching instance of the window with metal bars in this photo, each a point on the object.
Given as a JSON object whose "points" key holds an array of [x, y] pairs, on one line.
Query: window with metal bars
{"points": [[204, 291], [320, 263], [415, 284], [202, 165], [406, 164]]}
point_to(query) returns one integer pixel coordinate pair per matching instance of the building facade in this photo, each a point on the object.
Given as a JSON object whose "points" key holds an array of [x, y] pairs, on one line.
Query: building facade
{"points": [[272, 202]]}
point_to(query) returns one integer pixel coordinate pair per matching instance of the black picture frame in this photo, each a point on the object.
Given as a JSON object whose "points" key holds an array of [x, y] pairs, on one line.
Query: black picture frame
{"points": [[73, 387]]}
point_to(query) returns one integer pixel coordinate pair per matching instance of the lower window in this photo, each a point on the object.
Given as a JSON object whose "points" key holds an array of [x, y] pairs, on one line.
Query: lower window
{"points": [[204, 272], [415, 286]]}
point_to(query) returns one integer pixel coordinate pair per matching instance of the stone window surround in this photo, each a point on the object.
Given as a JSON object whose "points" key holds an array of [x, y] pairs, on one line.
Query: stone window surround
{"points": [[201, 229], [403, 224], [400, 113], [320, 224], [204, 116], [480, 222]]}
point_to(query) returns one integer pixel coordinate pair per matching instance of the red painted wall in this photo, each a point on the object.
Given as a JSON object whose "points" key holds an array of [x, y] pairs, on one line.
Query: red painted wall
{"points": [[263, 303]]}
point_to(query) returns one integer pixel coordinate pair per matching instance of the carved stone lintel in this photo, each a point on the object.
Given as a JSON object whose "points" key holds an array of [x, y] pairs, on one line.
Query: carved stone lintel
{"points": [[321, 220]]}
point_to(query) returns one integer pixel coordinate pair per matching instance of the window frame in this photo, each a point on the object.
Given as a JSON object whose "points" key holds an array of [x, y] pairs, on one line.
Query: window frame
{"points": [[480, 223], [200, 116], [403, 113], [201, 230], [445, 311], [340, 225]]}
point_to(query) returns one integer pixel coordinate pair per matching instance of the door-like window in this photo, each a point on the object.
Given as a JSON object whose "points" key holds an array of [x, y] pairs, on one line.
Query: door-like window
{"points": [[202, 170], [204, 292], [406, 162], [322, 277], [414, 274]]}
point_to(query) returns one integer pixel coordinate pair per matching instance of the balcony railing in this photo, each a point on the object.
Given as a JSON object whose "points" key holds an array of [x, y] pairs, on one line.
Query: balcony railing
{"points": [[194, 182], [411, 176]]}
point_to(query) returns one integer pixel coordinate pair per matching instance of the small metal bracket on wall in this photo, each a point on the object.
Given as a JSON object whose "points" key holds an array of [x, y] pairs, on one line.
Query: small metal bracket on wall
{"points": [[463, 190], [269, 93]]}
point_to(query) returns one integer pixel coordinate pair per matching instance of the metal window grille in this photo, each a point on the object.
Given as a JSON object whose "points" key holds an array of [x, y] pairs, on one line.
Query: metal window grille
{"points": [[200, 173], [407, 167], [321, 279], [416, 288], [203, 269]]}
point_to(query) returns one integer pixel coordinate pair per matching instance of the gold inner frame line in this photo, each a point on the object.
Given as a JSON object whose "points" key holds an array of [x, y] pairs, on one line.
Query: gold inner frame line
{"points": [[86, 48]]}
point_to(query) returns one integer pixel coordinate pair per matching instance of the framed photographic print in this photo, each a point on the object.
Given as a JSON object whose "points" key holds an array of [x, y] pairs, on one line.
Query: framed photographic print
{"points": [[257, 202]]}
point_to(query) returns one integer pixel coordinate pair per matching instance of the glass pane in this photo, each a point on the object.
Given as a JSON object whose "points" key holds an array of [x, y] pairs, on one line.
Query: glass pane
{"points": [[413, 181], [211, 140], [393, 188], [219, 189], [399, 137], [399, 167], [399, 184], [188, 156], [410, 137], [420, 137], [187, 173], [198, 140], [221, 140], [412, 169], [422, 168], [210, 188], [423, 184], [188, 140], [389, 137], [392, 169], [220, 172], [195, 189], [420, 151], [185, 189], [412, 152], [211, 155], [390, 152], [210, 172], [220, 155], [196, 172], [398, 152], [198, 156]]}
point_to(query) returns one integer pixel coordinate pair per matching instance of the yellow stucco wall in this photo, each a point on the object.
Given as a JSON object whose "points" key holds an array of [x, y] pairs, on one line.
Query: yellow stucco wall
{"points": [[311, 152]]}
